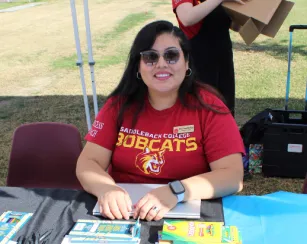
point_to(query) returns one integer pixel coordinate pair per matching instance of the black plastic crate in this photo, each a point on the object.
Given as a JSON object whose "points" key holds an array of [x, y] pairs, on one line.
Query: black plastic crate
{"points": [[285, 144], [285, 134]]}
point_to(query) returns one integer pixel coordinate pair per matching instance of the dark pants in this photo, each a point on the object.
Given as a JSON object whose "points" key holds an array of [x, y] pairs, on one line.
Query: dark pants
{"points": [[220, 77], [213, 57]]}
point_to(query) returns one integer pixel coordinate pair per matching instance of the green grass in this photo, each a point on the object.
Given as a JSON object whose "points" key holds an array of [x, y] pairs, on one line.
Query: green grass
{"points": [[126, 24], [106, 61], [159, 3], [14, 4], [68, 62], [10, 5], [111, 60]]}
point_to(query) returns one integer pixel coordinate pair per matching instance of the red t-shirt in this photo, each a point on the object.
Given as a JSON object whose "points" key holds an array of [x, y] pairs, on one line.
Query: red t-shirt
{"points": [[189, 31], [155, 152]]}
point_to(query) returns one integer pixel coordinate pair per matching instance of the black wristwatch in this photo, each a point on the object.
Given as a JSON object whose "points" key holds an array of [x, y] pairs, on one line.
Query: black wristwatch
{"points": [[178, 189]]}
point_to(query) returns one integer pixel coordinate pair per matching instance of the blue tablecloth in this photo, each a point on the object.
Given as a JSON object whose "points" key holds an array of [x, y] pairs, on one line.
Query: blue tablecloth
{"points": [[280, 217]]}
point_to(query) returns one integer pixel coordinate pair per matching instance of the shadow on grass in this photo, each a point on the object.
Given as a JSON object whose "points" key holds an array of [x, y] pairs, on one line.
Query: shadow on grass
{"points": [[15, 111], [277, 50], [246, 108], [66, 109]]}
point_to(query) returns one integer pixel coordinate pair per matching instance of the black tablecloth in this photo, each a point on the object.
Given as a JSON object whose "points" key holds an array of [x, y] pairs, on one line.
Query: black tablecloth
{"points": [[59, 209]]}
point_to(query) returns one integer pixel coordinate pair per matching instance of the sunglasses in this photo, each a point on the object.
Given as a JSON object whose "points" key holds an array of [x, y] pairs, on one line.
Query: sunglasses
{"points": [[151, 57]]}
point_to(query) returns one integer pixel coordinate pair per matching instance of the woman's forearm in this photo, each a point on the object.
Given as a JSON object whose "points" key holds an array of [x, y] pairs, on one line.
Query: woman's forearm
{"points": [[197, 13], [217, 183], [93, 178]]}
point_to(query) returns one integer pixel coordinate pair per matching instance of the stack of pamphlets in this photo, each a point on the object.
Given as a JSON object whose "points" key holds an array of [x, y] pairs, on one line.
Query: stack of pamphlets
{"points": [[185, 231], [104, 231], [10, 223]]}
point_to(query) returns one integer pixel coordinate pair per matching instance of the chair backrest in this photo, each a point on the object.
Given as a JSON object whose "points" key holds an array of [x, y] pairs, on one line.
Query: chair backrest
{"points": [[305, 185], [44, 155]]}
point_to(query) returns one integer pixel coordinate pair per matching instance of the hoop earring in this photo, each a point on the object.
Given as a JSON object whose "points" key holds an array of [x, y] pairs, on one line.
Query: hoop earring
{"points": [[189, 72], [138, 76]]}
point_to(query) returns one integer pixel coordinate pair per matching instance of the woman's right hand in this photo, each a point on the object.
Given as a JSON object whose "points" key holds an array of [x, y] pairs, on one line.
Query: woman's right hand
{"points": [[115, 203]]}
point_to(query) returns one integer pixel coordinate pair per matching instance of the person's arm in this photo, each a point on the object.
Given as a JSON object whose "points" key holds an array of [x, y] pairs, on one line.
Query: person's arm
{"points": [[94, 161], [190, 15], [225, 178], [91, 169], [95, 157], [223, 148], [115, 202]]}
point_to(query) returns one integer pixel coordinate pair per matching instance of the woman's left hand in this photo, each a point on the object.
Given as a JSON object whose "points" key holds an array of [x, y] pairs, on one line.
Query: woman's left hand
{"points": [[155, 204]]}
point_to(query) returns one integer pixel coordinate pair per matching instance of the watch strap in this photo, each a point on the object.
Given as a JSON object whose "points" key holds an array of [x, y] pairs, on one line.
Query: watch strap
{"points": [[180, 197]]}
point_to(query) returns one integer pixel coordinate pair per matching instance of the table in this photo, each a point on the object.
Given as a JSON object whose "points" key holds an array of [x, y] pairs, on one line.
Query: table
{"points": [[59, 209]]}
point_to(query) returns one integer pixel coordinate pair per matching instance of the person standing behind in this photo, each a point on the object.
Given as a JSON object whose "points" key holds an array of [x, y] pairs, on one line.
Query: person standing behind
{"points": [[206, 25]]}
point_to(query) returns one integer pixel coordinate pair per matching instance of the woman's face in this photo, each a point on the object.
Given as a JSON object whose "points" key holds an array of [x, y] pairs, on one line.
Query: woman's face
{"points": [[160, 75]]}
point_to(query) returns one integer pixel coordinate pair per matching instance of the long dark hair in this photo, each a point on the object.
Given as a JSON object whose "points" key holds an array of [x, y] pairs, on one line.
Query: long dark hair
{"points": [[131, 92]]}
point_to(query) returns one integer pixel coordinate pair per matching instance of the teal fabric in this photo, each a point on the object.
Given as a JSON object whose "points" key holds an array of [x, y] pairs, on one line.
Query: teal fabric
{"points": [[280, 217]]}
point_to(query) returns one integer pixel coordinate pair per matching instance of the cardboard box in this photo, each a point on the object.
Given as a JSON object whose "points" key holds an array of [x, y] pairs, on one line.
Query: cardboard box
{"points": [[257, 17]]}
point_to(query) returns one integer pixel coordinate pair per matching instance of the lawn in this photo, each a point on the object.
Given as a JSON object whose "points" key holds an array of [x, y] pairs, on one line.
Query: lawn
{"points": [[40, 81], [6, 5]]}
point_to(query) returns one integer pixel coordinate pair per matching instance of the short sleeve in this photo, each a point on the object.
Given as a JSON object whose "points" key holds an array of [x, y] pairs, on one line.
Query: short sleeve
{"points": [[221, 136], [104, 130], [176, 3]]}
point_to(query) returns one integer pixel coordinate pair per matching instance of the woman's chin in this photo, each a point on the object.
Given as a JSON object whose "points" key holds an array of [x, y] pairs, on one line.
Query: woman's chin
{"points": [[164, 90]]}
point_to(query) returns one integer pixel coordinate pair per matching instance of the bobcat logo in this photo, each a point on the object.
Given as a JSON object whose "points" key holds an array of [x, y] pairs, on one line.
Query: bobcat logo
{"points": [[150, 162]]}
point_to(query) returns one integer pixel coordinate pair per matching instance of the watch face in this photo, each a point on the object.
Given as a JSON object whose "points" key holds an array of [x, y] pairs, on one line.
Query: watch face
{"points": [[177, 187]]}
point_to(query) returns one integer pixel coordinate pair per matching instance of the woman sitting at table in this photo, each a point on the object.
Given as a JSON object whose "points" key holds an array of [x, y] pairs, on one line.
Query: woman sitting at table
{"points": [[161, 126]]}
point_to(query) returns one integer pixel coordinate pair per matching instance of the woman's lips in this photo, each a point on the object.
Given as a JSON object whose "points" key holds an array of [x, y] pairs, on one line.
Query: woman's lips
{"points": [[162, 76]]}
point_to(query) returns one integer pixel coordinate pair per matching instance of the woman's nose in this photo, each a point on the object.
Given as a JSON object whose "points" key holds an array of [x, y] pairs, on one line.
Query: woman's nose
{"points": [[161, 62]]}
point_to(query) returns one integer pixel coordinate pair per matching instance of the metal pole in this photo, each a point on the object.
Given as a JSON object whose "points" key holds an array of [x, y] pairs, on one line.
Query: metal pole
{"points": [[79, 62], [289, 71], [91, 61]]}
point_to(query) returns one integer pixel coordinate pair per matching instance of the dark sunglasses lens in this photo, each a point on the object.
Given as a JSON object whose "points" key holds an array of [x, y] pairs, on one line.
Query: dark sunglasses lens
{"points": [[171, 56], [150, 57]]}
